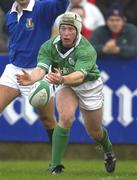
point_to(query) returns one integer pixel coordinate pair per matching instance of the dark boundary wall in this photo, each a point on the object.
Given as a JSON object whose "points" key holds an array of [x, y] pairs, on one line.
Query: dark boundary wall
{"points": [[41, 151]]}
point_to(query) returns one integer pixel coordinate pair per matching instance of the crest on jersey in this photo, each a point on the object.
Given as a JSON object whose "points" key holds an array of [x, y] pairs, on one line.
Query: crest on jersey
{"points": [[71, 61], [29, 23]]}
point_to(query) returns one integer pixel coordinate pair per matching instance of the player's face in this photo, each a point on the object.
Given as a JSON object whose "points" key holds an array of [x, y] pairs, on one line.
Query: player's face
{"points": [[115, 23], [23, 2], [68, 35]]}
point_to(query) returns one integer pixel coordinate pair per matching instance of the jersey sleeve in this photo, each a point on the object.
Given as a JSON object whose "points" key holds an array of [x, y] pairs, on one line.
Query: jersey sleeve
{"points": [[44, 57]]}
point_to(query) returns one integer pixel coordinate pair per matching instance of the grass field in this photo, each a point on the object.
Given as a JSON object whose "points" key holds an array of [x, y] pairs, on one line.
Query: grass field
{"points": [[75, 170]]}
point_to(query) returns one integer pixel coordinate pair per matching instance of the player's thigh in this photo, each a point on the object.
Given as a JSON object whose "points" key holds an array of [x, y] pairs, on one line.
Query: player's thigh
{"points": [[47, 112], [92, 119], [7, 94], [66, 102]]}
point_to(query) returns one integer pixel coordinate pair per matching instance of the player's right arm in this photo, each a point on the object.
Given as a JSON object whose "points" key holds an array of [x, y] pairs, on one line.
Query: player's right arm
{"points": [[29, 79]]}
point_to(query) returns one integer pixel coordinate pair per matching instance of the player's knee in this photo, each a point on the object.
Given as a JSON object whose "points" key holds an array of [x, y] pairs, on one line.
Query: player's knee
{"points": [[66, 120], [47, 117], [49, 121], [2, 105], [96, 134], [49, 124], [1, 109]]}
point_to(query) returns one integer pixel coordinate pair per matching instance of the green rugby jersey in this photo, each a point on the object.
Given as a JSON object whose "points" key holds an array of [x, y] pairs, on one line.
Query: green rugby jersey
{"points": [[81, 57]]}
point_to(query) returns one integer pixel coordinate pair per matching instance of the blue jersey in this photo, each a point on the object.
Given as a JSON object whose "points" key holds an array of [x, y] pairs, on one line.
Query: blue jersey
{"points": [[31, 31]]}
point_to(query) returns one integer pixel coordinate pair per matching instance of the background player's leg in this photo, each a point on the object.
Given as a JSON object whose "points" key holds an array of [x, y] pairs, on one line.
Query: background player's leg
{"points": [[47, 116], [7, 94]]}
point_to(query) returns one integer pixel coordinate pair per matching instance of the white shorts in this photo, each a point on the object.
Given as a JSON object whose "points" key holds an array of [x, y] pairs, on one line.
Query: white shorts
{"points": [[90, 94], [8, 78]]}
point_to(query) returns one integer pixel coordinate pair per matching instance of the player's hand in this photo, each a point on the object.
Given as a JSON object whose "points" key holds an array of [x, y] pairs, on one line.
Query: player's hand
{"points": [[24, 79], [55, 77]]}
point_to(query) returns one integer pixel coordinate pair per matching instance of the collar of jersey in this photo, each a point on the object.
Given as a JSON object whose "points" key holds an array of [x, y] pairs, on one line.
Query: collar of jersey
{"points": [[29, 7], [57, 39]]}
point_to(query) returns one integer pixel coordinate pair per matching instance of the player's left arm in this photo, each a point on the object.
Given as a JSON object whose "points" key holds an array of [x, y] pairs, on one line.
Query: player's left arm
{"points": [[76, 77], [83, 65], [85, 62], [55, 77]]}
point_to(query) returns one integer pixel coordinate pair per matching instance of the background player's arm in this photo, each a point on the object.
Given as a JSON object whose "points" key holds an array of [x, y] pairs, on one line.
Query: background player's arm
{"points": [[28, 79]]}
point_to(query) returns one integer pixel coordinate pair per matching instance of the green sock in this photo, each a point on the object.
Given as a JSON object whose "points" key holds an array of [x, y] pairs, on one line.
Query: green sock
{"points": [[105, 142], [50, 133], [60, 141]]}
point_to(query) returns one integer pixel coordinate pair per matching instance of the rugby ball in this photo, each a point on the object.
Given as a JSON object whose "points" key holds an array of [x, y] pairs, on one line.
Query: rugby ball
{"points": [[40, 93]]}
